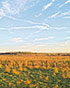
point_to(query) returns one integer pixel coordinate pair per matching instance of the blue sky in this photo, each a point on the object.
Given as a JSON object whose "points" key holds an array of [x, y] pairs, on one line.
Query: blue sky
{"points": [[35, 25]]}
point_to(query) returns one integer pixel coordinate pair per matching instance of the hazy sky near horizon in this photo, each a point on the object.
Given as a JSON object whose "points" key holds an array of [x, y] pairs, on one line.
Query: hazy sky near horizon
{"points": [[35, 25]]}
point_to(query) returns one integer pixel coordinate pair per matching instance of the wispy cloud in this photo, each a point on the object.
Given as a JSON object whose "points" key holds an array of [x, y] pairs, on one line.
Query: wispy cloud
{"points": [[53, 0], [38, 15], [38, 27], [30, 27], [68, 1], [8, 8], [17, 39], [68, 17], [2, 28], [58, 28], [54, 15], [68, 38], [61, 14], [18, 5], [65, 13], [2, 14], [49, 37], [41, 29], [47, 6]]}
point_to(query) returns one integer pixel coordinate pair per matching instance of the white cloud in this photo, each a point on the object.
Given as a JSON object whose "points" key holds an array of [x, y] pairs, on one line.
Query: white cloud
{"points": [[8, 8], [18, 6], [13, 18], [58, 28], [49, 37], [68, 1], [30, 27], [38, 15], [3, 29], [27, 21], [65, 13], [38, 27], [2, 14], [42, 27], [68, 37], [47, 6], [53, 0], [54, 15], [59, 14], [67, 17], [17, 39]]}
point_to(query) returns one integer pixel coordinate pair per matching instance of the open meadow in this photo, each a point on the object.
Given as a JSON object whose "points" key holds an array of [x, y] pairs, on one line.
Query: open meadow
{"points": [[32, 70]]}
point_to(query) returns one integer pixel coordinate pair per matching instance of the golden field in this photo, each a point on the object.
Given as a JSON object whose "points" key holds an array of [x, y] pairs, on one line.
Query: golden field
{"points": [[32, 70]]}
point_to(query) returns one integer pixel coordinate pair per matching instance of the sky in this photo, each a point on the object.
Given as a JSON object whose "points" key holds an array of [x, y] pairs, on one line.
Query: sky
{"points": [[35, 26]]}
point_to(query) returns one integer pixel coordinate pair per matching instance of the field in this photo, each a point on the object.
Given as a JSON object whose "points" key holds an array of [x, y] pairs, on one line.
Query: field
{"points": [[34, 71]]}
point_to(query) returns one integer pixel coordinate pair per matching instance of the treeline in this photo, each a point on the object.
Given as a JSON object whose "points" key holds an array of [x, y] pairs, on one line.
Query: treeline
{"points": [[46, 54], [58, 54], [16, 53]]}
